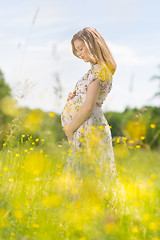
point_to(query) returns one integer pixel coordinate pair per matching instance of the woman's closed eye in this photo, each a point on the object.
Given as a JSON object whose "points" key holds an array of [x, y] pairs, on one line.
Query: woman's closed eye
{"points": [[80, 50]]}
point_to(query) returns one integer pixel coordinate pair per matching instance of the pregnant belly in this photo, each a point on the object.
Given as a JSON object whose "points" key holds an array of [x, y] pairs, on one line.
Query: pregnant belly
{"points": [[69, 111]]}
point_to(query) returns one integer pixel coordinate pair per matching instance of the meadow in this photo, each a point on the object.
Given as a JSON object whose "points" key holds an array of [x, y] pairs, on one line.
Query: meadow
{"points": [[39, 200]]}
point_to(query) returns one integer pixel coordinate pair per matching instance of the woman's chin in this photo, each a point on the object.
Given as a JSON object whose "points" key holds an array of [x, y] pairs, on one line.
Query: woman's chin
{"points": [[85, 60]]}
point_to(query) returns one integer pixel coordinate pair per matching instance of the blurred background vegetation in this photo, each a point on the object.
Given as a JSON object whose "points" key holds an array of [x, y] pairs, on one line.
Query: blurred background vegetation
{"points": [[134, 124]]}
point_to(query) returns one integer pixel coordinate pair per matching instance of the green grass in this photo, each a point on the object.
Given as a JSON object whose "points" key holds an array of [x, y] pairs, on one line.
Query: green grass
{"points": [[38, 200]]}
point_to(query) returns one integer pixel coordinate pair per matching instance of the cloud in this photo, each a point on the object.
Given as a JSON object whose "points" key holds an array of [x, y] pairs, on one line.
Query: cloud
{"points": [[126, 55], [118, 12], [46, 21], [41, 48]]}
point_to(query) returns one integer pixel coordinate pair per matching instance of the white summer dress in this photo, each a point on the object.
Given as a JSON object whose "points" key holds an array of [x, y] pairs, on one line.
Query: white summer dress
{"points": [[95, 119]]}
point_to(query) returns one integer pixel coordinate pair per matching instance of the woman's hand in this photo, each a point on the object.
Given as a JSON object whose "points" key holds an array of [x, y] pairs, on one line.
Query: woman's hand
{"points": [[71, 95], [68, 132]]}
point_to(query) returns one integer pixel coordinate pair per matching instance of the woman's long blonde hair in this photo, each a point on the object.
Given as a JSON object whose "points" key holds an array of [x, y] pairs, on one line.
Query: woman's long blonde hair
{"points": [[97, 48]]}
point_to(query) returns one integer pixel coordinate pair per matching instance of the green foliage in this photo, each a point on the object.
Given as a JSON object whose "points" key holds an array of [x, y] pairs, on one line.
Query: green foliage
{"points": [[42, 124], [53, 125], [115, 121], [5, 90], [144, 117], [37, 123], [4, 87], [152, 116], [51, 128]]}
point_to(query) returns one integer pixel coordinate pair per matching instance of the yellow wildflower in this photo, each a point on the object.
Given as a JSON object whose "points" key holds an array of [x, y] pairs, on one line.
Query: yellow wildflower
{"points": [[18, 214], [134, 229], [91, 127], [154, 176], [82, 130], [153, 226], [27, 203], [81, 139], [136, 204], [138, 146], [11, 180], [5, 169], [13, 234], [35, 225], [52, 114], [101, 127], [70, 150], [118, 140], [142, 137], [125, 138], [130, 147]]}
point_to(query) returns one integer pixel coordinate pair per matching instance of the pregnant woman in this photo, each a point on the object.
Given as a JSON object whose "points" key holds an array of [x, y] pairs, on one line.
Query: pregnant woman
{"points": [[82, 118]]}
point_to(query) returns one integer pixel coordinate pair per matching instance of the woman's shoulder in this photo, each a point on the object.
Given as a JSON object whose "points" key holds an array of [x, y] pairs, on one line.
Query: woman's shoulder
{"points": [[101, 71]]}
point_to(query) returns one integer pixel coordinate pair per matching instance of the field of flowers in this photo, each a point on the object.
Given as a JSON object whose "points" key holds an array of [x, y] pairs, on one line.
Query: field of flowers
{"points": [[39, 200]]}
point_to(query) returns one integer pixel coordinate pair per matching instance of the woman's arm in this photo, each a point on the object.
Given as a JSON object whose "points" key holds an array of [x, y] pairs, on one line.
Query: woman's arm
{"points": [[86, 109]]}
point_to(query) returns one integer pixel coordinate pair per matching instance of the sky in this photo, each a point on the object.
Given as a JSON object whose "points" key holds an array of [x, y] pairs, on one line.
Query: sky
{"points": [[35, 50]]}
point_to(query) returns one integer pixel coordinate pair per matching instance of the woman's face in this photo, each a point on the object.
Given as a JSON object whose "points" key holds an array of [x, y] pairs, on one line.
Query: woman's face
{"points": [[82, 50]]}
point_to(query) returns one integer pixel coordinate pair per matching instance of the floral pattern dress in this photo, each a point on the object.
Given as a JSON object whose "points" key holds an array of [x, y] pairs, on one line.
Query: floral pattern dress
{"points": [[95, 120]]}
